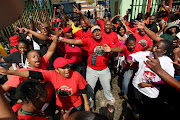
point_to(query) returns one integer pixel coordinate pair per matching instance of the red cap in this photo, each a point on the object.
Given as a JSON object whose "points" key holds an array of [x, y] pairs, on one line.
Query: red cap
{"points": [[66, 29], [14, 40], [58, 20], [61, 62]]}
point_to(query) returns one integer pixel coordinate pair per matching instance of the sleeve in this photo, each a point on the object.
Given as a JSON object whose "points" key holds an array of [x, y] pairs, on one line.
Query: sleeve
{"points": [[14, 81], [10, 58], [49, 75], [81, 82], [150, 42], [136, 57], [116, 41], [85, 41], [45, 61], [101, 23], [169, 67]]}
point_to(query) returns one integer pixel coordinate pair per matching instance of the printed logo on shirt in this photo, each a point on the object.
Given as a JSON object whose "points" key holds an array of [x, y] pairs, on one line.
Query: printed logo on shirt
{"points": [[143, 43], [98, 50], [65, 91], [148, 76]]}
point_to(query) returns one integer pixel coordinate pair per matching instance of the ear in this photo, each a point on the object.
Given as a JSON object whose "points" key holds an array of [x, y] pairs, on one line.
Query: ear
{"points": [[165, 51], [27, 60], [57, 70]]}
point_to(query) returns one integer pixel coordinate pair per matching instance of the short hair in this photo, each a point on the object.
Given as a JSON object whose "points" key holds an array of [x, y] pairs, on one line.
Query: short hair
{"points": [[130, 38], [119, 27], [168, 47], [29, 90], [84, 115], [24, 41], [30, 52]]}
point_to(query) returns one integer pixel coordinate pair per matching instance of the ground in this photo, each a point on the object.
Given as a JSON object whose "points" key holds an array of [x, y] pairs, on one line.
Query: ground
{"points": [[123, 110]]}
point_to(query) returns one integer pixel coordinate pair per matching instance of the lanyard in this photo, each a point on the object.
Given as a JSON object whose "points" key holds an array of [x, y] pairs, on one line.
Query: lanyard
{"points": [[93, 45]]}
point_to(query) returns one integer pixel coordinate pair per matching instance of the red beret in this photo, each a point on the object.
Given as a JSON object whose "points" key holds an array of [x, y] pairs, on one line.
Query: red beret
{"points": [[14, 40], [61, 62]]}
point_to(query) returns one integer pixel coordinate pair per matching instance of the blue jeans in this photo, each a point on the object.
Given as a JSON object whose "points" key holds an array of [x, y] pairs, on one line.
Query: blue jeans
{"points": [[126, 79], [104, 78]]}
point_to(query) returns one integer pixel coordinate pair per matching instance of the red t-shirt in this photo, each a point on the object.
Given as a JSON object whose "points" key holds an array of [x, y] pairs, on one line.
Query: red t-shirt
{"points": [[133, 29], [67, 89], [13, 50], [111, 36], [82, 34], [16, 107], [70, 52], [73, 53], [14, 81], [144, 41], [127, 53], [93, 48]]}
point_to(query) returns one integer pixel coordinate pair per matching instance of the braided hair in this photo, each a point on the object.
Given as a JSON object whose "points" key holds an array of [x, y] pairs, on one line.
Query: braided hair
{"points": [[28, 90]]}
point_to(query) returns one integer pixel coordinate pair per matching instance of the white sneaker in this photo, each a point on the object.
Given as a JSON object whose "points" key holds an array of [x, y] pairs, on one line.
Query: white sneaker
{"points": [[112, 100]]}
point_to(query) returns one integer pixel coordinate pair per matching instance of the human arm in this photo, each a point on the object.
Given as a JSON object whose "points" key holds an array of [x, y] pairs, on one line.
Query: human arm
{"points": [[86, 105], [72, 41], [95, 14], [66, 17], [114, 17], [6, 113], [63, 18], [149, 48], [150, 33], [106, 48], [86, 20], [36, 34], [162, 28], [154, 65], [1, 59], [53, 45], [5, 88]]}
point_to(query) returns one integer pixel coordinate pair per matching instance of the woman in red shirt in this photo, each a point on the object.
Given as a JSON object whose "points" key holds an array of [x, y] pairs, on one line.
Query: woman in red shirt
{"points": [[68, 84]]}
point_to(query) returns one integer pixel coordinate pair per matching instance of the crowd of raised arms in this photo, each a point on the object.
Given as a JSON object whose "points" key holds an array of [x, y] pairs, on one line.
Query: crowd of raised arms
{"points": [[58, 68]]}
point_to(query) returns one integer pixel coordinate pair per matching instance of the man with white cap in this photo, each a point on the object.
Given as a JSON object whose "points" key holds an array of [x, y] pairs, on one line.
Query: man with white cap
{"points": [[97, 64]]}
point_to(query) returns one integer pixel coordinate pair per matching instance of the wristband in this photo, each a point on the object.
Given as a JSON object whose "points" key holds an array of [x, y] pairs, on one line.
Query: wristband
{"points": [[60, 38]]}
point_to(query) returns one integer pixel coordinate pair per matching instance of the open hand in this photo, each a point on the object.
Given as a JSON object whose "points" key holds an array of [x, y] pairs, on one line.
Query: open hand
{"points": [[106, 48], [76, 10], [139, 24], [153, 63], [65, 114]]}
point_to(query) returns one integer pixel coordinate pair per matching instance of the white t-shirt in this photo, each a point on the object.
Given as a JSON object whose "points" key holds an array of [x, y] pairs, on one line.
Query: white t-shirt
{"points": [[144, 74]]}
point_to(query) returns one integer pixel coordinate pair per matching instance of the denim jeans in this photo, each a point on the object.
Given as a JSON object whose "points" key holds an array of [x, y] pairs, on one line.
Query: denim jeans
{"points": [[104, 78], [126, 79]]}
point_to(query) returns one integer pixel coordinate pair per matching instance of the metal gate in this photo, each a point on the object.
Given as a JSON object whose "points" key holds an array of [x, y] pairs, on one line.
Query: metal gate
{"points": [[140, 6], [40, 10]]}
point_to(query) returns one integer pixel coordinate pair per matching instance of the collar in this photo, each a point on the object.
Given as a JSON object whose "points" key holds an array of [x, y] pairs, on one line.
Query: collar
{"points": [[86, 30]]}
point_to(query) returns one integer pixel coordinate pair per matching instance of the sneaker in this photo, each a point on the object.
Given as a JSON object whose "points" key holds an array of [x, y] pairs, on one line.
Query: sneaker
{"points": [[112, 100]]}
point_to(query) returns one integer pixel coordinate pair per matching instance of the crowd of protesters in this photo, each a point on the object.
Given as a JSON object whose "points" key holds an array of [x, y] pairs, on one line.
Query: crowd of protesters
{"points": [[58, 68]]}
